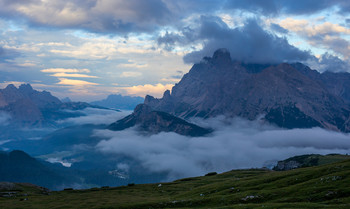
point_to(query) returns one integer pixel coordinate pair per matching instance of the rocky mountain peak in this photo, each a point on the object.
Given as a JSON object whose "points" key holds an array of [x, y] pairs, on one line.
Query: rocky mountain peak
{"points": [[290, 96], [166, 94], [221, 57], [25, 88], [222, 54], [10, 87]]}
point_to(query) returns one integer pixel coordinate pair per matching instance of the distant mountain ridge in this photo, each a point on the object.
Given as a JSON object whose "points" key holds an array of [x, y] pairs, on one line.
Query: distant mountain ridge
{"points": [[31, 108], [288, 95], [118, 101]]}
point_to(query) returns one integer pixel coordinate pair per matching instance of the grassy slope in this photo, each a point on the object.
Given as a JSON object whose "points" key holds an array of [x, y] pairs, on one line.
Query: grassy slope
{"points": [[326, 186]]}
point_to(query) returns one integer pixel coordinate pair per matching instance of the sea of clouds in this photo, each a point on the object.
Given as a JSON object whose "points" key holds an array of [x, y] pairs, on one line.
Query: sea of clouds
{"points": [[235, 144]]}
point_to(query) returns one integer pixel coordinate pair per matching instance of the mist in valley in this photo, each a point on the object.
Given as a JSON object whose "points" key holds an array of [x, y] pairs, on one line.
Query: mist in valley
{"points": [[235, 144]]}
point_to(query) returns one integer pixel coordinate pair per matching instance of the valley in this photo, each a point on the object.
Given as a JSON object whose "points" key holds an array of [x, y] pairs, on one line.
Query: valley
{"points": [[323, 186]]}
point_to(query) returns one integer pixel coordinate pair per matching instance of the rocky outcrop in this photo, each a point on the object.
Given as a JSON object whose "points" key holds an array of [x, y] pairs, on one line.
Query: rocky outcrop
{"points": [[287, 95], [286, 166], [308, 160], [152, 122]]}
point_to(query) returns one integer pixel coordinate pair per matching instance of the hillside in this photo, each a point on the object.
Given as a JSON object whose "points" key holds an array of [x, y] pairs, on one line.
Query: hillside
{"points": [[324, 186], [18, 166]]}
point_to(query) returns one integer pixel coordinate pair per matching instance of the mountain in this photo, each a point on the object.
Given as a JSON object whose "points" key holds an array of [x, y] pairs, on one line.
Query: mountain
{"points": [[290, 96], [153, 122], [27, 107], [336, 83], [66, 99], [119, 102], [323, 186], [24, 103]]}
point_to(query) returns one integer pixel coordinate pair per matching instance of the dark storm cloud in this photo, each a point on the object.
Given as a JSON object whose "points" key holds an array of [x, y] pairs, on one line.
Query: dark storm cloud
{"points": [[338, 45], [333, 63], [169, 40], [103, 16], [249, 43], [108, 16], [276, 7]]}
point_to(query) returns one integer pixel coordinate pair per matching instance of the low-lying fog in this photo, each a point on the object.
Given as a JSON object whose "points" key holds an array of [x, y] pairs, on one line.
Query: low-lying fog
{"points": [[235, 144]]}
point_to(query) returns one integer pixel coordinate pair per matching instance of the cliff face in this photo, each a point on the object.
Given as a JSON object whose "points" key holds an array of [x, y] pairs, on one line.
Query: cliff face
{"points": [[153, 122], [290, 96]]}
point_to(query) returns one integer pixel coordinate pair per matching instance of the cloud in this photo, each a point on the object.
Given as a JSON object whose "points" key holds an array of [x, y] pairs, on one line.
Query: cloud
{"points": [[137, 16], [92, 49], [4, 118], [6, 83], [102, 16], [278, 28], [71, 82], [7, 54], [65, 70], [133, 65], [326, 35], [96, 116], [130, 74], [249, 43], [276, 7], [305, 27], [73, 75], [63, 73], [329, 62], [235, 144], [147, 89], [347, 21]]}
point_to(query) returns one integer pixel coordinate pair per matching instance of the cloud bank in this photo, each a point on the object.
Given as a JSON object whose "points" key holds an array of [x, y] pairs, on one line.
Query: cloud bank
{"points": [[96, 117], [276, 7], [4, 118], [117, 16], [249, 43], [102, 16], [235, 144]]}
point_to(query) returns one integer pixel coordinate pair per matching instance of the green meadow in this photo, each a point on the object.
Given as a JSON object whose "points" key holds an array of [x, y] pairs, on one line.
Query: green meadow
{"points": [[322, 186]]}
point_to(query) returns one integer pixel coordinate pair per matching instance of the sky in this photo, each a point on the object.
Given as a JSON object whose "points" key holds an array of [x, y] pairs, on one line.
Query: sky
{"points": [[88, 49]]}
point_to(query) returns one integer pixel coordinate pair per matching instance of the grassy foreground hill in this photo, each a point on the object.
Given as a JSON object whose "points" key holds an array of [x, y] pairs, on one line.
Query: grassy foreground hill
{"points": [[325, 186]]}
